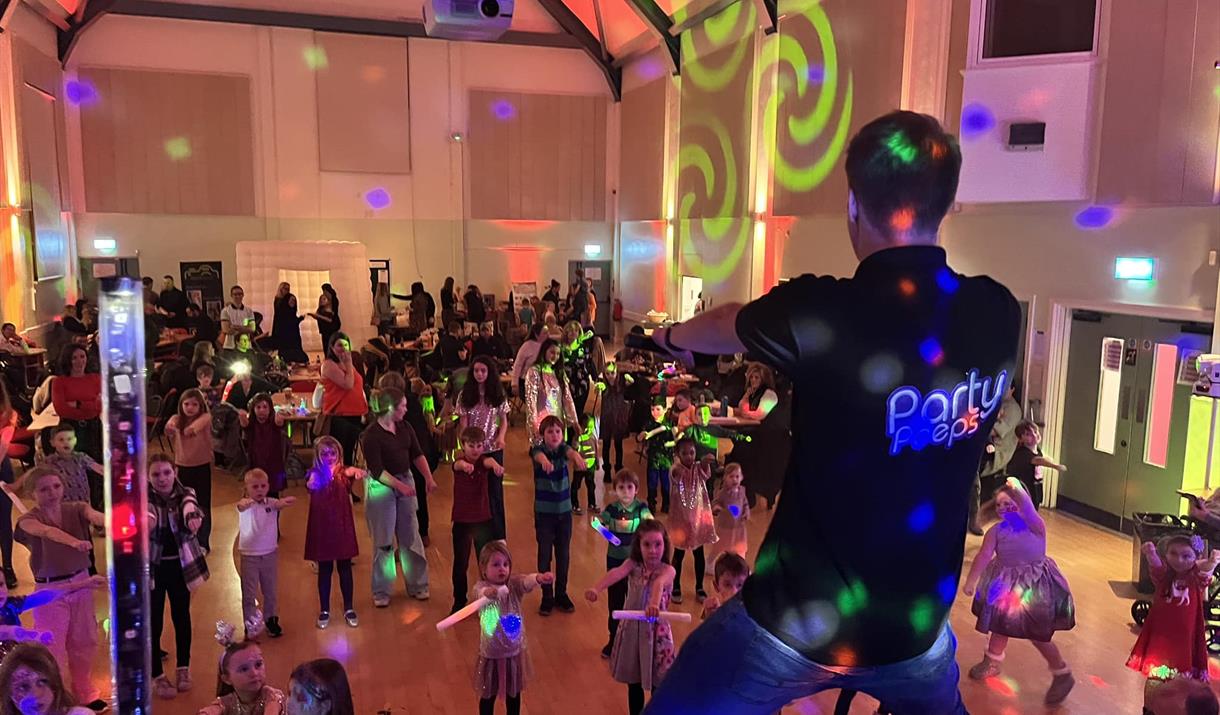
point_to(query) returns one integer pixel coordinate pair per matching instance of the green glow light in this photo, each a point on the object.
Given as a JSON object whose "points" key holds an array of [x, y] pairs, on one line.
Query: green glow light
{"points": [[921, 615], [315, 57], [852, 599], [178, 148], [489, 619], [901, 148], [768, 558]]}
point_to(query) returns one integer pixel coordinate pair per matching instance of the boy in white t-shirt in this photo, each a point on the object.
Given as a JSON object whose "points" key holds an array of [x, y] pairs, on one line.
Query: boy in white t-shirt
{"points": [[236, 318], [258, 522]]}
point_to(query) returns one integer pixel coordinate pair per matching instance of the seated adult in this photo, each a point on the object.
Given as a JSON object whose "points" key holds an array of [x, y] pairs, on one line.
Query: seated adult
{"points": [[245, 352], [451, 348], [13, 342], [490, 343], [178, 373], [887, 434], [201, 326], [77, 396], [244, 387]]}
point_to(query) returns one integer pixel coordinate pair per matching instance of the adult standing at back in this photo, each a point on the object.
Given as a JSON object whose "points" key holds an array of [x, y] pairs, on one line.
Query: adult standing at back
{"points": [[343, 402], [172, 302], [327, 317], [476, 312], [77, 395], [448, 303], [286, 326], [898, 373], [236, 318]]}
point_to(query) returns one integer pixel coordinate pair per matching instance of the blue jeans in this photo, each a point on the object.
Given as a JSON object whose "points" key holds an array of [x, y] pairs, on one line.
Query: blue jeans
{"points": [[762, 674], [658, 477]]}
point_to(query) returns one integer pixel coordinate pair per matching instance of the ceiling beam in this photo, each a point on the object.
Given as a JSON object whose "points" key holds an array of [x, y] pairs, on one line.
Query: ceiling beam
{"points": [[660, 24], [572, 25], [6, 10], [272, 18], [94, 9], [769, 11]]}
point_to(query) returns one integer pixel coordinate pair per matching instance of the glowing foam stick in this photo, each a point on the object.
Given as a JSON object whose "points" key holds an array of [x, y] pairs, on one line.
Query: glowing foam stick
{"points": [[466, 612], [734, 510], [601, 529], [8, 491], [655, 432], [640, 616]]}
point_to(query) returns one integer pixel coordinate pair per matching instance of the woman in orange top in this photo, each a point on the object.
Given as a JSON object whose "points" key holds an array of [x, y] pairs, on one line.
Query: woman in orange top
{"points": [[77, 396], [343, 395]]}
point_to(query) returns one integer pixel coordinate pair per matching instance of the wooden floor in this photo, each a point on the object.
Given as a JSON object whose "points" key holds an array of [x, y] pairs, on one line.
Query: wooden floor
{"points": [[398, 662]]}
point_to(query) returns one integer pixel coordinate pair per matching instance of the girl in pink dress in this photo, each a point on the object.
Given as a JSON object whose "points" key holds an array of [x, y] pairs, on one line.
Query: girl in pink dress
{"points": [[330, 533], [732, 511], [503, 665], [1021, 593], [643, 650], [691, 524], [1173, 641]]}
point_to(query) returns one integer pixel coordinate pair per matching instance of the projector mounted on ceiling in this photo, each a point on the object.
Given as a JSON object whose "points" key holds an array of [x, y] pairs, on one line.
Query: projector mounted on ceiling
{"points": [[467, 19]]}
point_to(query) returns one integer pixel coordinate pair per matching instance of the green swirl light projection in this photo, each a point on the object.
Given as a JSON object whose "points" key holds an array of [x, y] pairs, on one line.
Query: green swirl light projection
{"points": [[734, 27], [802, 168], [714, 263]]}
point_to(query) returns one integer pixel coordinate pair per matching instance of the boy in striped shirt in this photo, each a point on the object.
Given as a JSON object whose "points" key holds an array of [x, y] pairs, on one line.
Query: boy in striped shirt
{"points": [[554, 464], [622, 517]]}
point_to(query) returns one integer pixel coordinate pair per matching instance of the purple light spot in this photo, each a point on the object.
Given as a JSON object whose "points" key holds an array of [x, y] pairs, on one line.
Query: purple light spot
{"points": [[649, 68], [1094, 217], [947, 282], [977, 119], [503, 109], [947, 588], [920, 519], [931, 351], [735, 510], [377, 199], [79, 92], [816, 73], [511, 623]]}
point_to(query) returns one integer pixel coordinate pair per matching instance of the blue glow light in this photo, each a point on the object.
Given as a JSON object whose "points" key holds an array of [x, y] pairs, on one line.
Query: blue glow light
{"points": [[80, 92], [511, 623], [931, 352], [1134, 269], [977, 120], [503, 109], [947, 588], [735, 510], [377, 199], [947, 281], [816, 73], [920, 519], [1094, 217]]}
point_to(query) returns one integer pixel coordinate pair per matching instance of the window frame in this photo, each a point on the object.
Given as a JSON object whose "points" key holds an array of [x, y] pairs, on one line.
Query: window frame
{"points": [[978, 30]]}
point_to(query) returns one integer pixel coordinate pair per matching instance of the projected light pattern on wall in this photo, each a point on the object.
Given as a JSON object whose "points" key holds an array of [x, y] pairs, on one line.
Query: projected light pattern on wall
{"points": [[816, 130]]}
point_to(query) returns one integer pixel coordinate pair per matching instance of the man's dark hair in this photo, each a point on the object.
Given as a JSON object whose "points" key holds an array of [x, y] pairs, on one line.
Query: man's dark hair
{"points": [[903, 169]]}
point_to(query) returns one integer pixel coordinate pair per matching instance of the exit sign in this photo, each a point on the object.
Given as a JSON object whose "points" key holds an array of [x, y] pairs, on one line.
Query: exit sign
{"points": [[1134, 269]]}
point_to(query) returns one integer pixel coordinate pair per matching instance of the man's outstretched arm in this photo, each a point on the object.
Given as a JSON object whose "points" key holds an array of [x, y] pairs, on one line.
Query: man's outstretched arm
{"points": [[713, 332]]}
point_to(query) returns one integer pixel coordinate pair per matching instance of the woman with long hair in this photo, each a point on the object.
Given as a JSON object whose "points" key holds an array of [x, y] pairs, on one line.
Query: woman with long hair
{"points": [[327, 317], [422, 311], [343, 397], [483, 404], [319, 687], [77, 396], [448, 302], [286, 326], [765, 456], [546, 391], [30, 672]]}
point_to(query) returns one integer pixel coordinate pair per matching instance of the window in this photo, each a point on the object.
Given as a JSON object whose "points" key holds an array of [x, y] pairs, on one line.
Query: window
{"points": [[1019, 28]]}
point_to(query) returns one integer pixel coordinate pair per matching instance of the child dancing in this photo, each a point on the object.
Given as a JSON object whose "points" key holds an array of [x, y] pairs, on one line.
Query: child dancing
{"points": [[1020, 591]]}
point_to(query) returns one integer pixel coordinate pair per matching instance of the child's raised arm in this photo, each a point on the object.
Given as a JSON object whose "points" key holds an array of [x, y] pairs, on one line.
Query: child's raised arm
{"points": [[1154, 558], [981, 559], [1025, 506], [1041, 461], [243, 418], [283, 503], [613, 576], [663, 582], [494, 466], [96, 518]]}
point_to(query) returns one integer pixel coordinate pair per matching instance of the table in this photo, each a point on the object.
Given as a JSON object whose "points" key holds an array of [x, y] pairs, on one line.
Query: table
{"points": [[32, 362], [288, 407]]}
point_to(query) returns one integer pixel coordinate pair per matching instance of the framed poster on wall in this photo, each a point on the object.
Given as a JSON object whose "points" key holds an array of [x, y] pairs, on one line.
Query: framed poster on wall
{"points": [[202, 282]]}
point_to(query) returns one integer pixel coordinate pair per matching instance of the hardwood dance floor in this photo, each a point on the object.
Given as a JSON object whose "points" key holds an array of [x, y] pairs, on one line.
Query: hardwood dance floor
{"points": [[398, 662]]}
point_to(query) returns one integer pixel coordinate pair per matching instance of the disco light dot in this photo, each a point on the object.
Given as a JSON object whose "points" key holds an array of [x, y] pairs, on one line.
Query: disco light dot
{"points": [[1094, 217], [816, 73], [931, 352], [922, 615], [315, 57], [920, 519], [178, 148], [946, 281], [503, 109], [377, 199], [80, 92], [880, 373], [947, 588], [977, 119]]}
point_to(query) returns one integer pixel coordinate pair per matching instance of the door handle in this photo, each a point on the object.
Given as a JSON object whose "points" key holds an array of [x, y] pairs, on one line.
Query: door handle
{"points": [[1124, 402], [1141, 406]]}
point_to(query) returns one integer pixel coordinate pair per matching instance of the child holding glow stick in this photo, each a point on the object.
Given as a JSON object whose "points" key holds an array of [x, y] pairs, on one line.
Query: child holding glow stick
{"points": [[731, 510], [658, 436], [643, 650], [502, 666], [330, 531], [472, 518], [729, 574], [554, 463], [690, 523], [1021, 593], [622, 518]]}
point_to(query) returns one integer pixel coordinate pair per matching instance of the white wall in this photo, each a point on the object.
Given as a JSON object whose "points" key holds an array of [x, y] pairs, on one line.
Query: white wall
{"points": [[423, 231]]}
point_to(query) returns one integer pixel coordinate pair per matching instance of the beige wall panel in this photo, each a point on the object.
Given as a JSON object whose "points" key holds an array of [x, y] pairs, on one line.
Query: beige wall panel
{"points": [[363, 122], [641, 194]]}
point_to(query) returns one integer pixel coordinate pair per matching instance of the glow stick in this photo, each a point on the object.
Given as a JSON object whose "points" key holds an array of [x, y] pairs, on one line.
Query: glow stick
{"points": [[14, 498], [639, 616], [734, 510], [605, 532], [655, 432], [466, 612]]}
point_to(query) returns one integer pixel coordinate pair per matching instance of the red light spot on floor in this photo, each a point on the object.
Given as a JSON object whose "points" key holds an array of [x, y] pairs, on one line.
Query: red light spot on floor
{"points": [[1000, 687], [1098, 683]]}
